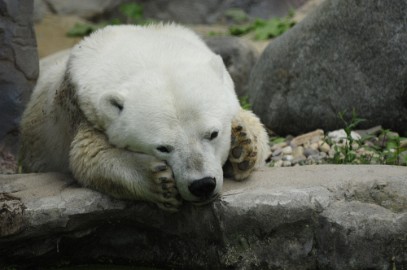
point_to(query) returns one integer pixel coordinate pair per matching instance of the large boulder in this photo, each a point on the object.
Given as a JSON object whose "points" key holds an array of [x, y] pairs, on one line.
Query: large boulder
{"points": [[86, 9], [239, 57], [345, 55], [18, 73], [308, 217]]}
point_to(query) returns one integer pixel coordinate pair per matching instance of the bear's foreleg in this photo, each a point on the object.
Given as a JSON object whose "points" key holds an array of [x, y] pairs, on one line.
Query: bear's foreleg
{"points": [[250, 145], [123, 174]]}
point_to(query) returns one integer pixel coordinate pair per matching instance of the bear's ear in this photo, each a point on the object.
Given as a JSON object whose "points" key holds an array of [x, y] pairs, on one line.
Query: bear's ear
{"points": [[111, 105], [216, 63]]}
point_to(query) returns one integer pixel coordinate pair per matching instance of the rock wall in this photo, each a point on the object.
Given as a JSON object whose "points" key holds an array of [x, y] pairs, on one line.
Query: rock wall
{"points": [[18, 73], [308, 217]]}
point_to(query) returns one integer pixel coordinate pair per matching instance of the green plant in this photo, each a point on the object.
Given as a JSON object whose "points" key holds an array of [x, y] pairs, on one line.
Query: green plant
{"points": [[263, 29], [392, 148], [131, 11], [277, 140], [84, 29], [244, 103], [237, 15], [215, 33], [346, 154], [388, 150]]}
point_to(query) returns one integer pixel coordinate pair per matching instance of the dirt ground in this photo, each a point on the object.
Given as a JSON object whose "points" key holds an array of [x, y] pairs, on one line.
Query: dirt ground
{"points": [[51, 34], [51, 31]]}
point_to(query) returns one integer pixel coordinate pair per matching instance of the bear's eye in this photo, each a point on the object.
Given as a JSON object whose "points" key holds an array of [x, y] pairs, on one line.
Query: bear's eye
{"points": [[116, 103], [214, 135], [164, 149]]}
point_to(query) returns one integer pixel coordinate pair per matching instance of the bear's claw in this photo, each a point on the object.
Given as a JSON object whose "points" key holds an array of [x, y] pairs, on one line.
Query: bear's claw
{"points": [[243, 151], [164, 187]]}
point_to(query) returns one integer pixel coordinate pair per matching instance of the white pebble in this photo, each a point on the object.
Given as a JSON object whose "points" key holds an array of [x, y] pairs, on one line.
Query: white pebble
{"points": [[340, 134], [278, 163], [322, 155], [277, 152], [288, 158], [287, 163], [314, 146], [278, 145], [288, 150], [324, 147]]}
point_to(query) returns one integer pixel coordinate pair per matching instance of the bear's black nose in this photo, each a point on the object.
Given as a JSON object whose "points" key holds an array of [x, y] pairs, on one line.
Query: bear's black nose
{"points": [[203, 188]]}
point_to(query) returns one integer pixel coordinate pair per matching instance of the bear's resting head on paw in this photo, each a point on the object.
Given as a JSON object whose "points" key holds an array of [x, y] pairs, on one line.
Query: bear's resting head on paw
{"points": [[174, 101]]}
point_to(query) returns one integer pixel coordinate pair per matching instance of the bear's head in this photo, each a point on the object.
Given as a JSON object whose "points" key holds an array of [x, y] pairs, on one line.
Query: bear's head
{"points": [[174, 103]]}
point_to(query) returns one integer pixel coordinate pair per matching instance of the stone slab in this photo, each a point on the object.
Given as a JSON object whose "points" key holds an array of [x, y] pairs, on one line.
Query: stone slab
{"points": [[308, 217]]}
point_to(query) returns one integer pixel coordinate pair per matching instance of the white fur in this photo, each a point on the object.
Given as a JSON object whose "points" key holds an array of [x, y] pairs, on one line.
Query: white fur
{"points": [[139, 88], [173, 89]]}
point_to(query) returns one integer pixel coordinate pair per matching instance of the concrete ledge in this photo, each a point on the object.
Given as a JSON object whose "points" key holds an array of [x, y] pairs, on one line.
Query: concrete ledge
{"points": [[309, 217]]}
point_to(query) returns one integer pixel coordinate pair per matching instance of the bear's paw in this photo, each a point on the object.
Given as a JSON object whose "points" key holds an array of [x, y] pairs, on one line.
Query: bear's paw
{"points": [[164, 187], [243, 151]]}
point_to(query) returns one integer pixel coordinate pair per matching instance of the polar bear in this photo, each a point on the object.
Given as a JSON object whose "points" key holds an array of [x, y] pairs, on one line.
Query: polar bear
{"points": [[144, 113]]}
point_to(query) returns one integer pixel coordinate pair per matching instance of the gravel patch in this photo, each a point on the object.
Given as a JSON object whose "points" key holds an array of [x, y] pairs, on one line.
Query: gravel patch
{"points": [[371, 146]]}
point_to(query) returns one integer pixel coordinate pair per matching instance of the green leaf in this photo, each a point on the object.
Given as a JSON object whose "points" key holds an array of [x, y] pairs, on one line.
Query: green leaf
{"points": [[244, 103], [83, 29], [391, 145], [263, 29], [268, 30], [277, 140], [133, 11], [239, 30], [237, 14], [214, 33]]}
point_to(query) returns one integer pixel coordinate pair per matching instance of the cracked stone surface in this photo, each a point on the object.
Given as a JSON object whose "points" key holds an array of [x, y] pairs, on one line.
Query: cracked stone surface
{"points": [[18, 73], [308, 217]]}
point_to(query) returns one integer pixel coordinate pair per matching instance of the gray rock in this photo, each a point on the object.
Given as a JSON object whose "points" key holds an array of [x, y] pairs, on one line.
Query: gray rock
{"points": [[265, 8], [239, 57], [310, 152], [322, 155], [298, 151], [211, 11], [277, 158], [315, 217], [86, 9], [18, 73], [299, 159], [403, 158], [288, 150], [287, 163], [340, 229], [181, 11], [278, 162], [280, 145], [346, 54], [40, 10], [277, 152]]}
